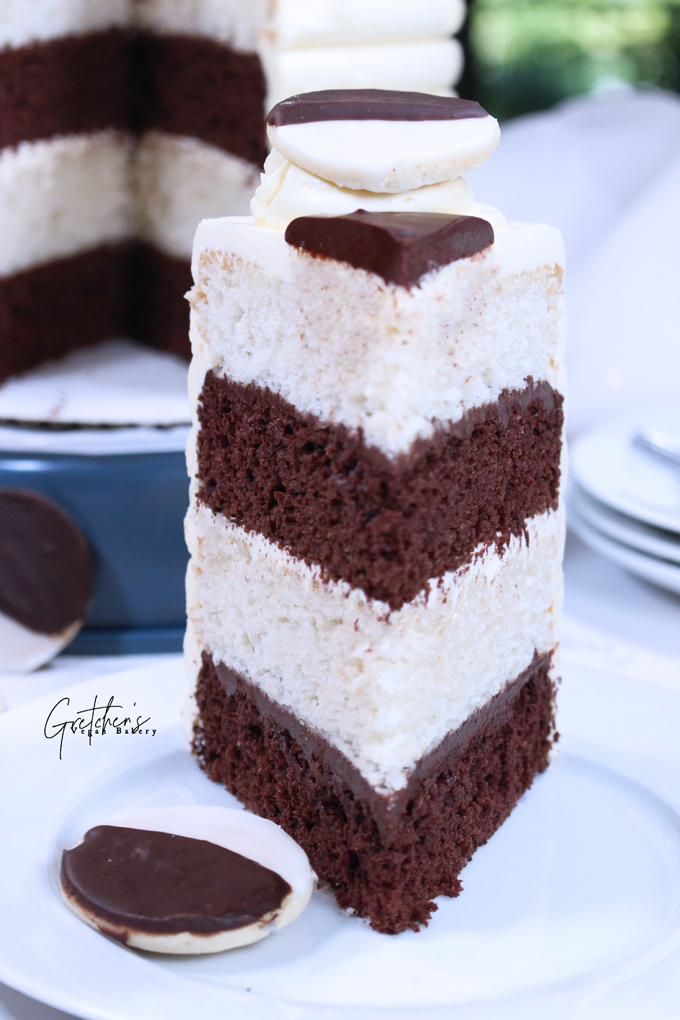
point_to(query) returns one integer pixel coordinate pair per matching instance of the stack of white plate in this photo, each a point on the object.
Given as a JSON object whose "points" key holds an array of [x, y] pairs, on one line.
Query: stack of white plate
{"points": [[625, 492]]}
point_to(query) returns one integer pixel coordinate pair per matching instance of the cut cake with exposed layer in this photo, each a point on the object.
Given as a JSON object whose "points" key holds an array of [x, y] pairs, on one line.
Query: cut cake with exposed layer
{"points": [[376, 536]]}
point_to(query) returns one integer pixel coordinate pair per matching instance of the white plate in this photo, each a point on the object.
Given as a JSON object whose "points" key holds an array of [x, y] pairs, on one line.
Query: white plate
{"points": [[623, 529], [118, 383], [610, 467], [571, 909], [658, 571]]}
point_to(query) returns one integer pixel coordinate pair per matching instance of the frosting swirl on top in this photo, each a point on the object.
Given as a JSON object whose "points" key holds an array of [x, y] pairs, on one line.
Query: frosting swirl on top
{"points": [[335, 152], [287, 191]]}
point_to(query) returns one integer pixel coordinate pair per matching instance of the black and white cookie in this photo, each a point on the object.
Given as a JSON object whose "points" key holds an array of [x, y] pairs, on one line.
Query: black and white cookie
{"points": [[186, 880], [381, 141], [45, 579]]}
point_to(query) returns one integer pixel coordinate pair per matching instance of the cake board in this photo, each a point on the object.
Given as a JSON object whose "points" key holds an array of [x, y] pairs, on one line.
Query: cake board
{"points": [[103, 434]]}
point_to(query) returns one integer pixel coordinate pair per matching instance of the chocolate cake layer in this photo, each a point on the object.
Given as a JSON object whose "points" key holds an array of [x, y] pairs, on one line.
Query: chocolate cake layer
{"points": [[118, 79], [384, 526], [385, 858], [50, 310], [160, 313], [68, 85], [194, 86]]}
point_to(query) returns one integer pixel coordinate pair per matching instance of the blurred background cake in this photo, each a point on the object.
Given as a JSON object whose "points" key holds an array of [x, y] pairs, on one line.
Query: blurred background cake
{"points": [[124, 122]]}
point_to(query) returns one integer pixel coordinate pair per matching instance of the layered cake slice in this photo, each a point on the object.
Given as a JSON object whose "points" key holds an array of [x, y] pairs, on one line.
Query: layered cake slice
{"points": [[375, 527]]}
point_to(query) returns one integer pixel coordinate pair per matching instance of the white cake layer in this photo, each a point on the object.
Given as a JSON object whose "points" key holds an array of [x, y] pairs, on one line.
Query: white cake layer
{"points": [[297, 23], [343, 345], [179, 182], [238, 23], [383, 687], [433, 65], [28, 21], [62, 196]]}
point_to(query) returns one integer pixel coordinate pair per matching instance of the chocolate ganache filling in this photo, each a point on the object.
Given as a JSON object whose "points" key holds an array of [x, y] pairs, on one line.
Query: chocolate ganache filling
{"points": [[370, 104], [400, 247], [161, 883]]}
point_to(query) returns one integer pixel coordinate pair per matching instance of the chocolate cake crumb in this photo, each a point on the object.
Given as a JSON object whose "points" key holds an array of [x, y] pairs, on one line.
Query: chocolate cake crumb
{"points": [[187, 85], [63, 86], [72, 302], [159, 315], [384, 526], [385, 858]]}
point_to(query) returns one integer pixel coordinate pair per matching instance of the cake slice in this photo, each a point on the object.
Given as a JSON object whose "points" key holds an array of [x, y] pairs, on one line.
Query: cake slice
{"points": [[375, 527]]}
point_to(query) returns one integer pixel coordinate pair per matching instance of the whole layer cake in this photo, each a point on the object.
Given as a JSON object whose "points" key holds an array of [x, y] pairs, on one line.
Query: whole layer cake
{"points": [[124, 122], [375, 528]]}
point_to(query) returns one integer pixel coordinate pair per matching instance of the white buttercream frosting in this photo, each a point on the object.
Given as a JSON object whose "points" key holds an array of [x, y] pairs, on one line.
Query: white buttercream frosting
{"points": [[341, 22], [289, 24], [288, 191], [422, 65]]}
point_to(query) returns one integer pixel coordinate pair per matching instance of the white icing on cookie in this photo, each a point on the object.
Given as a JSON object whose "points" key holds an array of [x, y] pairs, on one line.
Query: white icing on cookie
{"points": [[387, 156], [22, 650]]}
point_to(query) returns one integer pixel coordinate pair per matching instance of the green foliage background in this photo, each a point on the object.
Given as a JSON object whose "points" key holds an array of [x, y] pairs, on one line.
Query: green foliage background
{"points": [[528, 54]]}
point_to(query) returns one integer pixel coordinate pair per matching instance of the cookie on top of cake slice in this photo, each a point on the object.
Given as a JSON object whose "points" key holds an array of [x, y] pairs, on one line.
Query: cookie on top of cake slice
{"points": [[376, 527]]}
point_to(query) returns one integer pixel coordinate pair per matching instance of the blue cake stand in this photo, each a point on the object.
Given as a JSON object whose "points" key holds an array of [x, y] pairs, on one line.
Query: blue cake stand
{"points": [[129, 498]]}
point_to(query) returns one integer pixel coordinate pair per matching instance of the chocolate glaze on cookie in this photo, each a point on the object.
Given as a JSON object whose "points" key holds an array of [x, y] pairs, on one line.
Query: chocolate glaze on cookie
{"points": [[401, 247], [45, 566], [370, 104], [162, 883]]}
